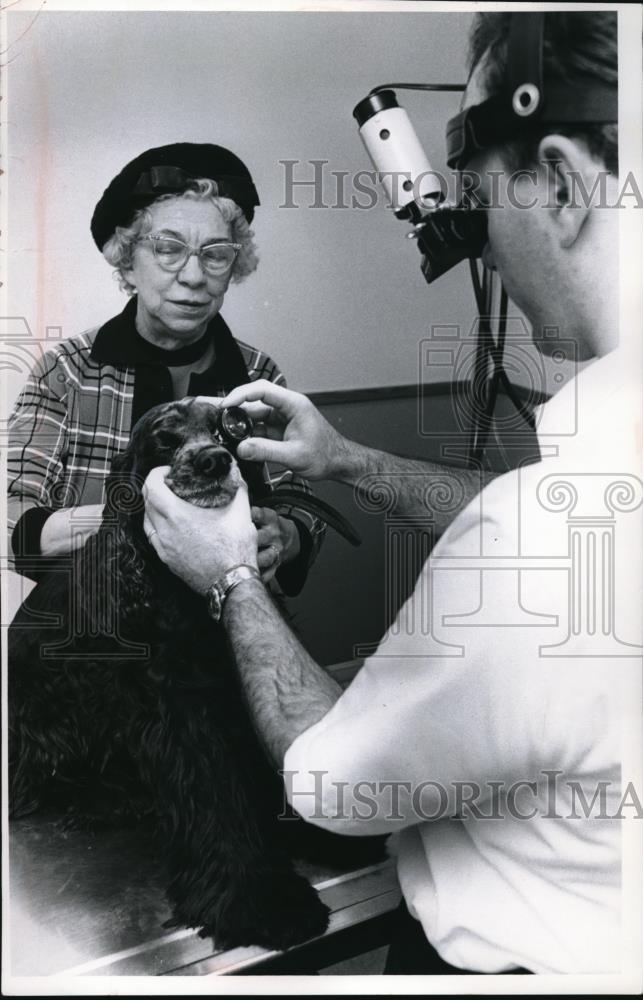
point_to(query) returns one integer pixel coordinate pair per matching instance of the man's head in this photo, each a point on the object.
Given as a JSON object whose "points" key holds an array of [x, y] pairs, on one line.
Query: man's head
{"points": [[578, 47], [554, 247]]}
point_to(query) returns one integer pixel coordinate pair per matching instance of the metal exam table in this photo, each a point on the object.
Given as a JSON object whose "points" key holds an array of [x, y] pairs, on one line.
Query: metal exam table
{"points": [[92, 904]]}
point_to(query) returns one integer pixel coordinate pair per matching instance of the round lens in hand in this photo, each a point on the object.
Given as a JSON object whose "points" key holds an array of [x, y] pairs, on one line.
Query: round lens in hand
{"points": [[235, 424]]}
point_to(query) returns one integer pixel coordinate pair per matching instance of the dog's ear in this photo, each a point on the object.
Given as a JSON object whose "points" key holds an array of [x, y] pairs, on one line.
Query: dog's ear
{"points": [[124, 511], [123, 520], [130, 467], [115, 586], [123, 461], [123, 488], [134, 571]]}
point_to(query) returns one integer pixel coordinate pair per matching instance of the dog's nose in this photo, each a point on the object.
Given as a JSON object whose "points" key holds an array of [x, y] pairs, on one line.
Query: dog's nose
{"points": [[213, 462]]}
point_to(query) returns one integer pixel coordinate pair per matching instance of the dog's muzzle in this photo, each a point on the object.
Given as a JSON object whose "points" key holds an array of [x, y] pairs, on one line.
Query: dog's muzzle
{"points": [[206, 475]]}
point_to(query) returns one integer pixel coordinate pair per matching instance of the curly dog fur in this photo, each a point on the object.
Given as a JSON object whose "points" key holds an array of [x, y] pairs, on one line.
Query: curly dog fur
{"points": [[125, 706]]}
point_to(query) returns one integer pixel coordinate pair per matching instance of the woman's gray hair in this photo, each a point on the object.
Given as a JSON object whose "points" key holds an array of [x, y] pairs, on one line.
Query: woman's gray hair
{"points": [[119, 249]]}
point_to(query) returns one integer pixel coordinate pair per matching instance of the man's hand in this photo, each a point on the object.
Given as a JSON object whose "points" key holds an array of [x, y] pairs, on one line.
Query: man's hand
{"points": [[307, 444], [199, 544], [305, 441]]}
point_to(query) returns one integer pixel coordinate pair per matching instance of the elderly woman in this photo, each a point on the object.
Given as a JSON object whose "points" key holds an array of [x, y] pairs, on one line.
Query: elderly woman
{"points": [[175, 223]]}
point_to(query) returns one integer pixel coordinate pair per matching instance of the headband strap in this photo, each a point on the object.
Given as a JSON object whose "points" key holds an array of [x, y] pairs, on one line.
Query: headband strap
{"points": [[528, 101]]}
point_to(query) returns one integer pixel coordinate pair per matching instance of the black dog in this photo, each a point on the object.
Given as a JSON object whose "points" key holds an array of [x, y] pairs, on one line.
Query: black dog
{"points": [[129, 707]]}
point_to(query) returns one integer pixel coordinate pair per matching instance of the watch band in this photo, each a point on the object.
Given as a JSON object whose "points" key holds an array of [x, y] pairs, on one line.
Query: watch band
{"points": [[216, 594]]}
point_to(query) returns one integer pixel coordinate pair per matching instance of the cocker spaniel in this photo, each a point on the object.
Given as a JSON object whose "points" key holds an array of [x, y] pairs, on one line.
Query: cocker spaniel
{"points": [[124, 705]]}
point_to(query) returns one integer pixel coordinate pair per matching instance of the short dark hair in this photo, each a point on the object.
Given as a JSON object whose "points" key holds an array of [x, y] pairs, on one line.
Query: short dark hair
{"points": [[575, 44]]}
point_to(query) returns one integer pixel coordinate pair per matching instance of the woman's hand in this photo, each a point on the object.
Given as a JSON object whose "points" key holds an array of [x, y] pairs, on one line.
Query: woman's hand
{"points": [[277, 540], [69, 528]]}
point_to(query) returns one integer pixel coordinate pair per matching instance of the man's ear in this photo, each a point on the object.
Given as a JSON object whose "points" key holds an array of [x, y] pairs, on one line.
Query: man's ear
{"points": [[574, 179]]}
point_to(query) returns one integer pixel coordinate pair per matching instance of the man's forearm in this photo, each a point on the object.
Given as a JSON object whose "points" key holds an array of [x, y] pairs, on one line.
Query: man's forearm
{"points": [[287, 692], [418, 486]]}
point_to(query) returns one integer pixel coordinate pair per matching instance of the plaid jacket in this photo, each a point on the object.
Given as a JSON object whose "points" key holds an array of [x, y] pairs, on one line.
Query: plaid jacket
{"points": [[77, 409]]}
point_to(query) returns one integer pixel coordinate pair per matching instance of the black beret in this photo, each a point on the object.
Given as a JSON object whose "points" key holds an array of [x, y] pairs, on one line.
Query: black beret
{"points": [[168, 170]]}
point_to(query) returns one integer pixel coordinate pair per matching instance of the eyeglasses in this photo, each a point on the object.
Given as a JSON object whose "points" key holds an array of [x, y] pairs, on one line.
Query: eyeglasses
{"points": [[172, 254]]}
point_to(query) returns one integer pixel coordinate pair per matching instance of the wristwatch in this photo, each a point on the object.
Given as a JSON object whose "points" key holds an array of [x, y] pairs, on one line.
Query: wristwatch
{"points": [[217, 593]]}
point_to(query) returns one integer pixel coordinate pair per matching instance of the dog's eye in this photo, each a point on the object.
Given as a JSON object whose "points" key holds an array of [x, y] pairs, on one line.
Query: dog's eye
{"points": [[167, 440]]}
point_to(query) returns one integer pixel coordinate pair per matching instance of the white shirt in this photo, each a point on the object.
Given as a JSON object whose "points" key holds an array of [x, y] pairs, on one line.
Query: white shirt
{"points": [[533, 673]]}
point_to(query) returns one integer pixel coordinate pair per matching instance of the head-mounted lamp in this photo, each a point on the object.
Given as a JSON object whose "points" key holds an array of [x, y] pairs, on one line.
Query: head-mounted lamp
{"points": [[447, 235]]}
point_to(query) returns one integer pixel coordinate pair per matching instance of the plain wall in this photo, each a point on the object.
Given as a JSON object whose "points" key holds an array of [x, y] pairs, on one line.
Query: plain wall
{"points": [[339, 299]]}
